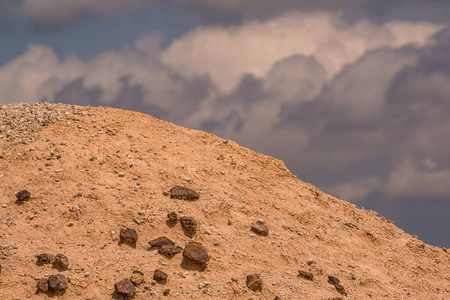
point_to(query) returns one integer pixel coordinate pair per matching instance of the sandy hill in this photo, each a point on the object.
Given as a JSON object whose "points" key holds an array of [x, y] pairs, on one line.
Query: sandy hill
{"points": [[94, 171]]}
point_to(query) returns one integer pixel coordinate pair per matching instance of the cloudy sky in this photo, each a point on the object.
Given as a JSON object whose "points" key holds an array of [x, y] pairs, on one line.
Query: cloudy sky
{"points": [[354, 95]]}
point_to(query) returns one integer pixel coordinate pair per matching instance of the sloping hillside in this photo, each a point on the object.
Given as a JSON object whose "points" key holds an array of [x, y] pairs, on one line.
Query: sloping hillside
{"points": [[94, 171]]}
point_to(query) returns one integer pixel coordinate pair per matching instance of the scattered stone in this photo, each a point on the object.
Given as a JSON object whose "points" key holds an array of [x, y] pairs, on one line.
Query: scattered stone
{"points": [[196, 253], [125, 287], [166, 292], [180, 192], [161, 241], [277, 298], [260, 228], [159, 276], [42, 285], [333, 280], [23, 195], [340, 288], [57, 283], [254, 282], [61, 262], [306, 275], [128, 236], [137, 278], [45, 258], [169, 250], [189, 225], [172, 218]]}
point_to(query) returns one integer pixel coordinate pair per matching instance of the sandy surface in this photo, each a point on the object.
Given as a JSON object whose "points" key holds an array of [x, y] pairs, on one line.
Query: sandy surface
{"points": [[92, 175]]}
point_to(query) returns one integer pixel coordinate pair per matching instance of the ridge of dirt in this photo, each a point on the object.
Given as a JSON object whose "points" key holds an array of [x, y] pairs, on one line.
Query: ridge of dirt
{"points": [[92, 171]]}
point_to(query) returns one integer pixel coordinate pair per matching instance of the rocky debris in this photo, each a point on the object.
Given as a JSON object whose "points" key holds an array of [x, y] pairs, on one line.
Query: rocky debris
{"points": [[254, 282], [189, 225], [57, 283], [166, 292], [161, 241], [137, 277], [1, 269], [125, 288], [172, 218], [333, 280], [196, 253], [180, 192], [61, 262], [42, 285], [128, 236], [23, 195], [340, 288], [169, 250], [260, 229], [159, 276], [277, 298], [306, 275], [45, 258]]}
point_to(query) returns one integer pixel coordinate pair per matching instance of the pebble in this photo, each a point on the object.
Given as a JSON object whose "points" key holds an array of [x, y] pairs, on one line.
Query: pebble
{"points": [[260, 229], [57, 283], [161, 241], [45, 258], [340, 289], [137, 277], [333, 280], [180, 192], [306, 275], [125, 288], [189, 224], [160, 276], [169, 250], [166, 292], [172, 218], [61, 262], [128, 236], [121, 174], [196, 253], [254, 282], [23, 195], [42, 285]]}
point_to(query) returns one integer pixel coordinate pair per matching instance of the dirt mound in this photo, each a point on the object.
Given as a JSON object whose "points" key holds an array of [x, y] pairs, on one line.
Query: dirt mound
{"points": [[100, 181]]}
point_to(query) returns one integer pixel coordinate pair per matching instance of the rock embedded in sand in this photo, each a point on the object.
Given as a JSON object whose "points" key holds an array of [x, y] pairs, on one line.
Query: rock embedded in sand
{"points": [[160, 276], [61, 261], [137, 277], [333, 280], [128, 236], [161, 241], [45, 258], [196, 253], [254, 282], [340, 288], [189, 224], [42, 285], [57, 283], [180, 192], [169, 250], [306, 275], [23, 195], [166, 292], [125, 288], [172, 218], [260, 229]]}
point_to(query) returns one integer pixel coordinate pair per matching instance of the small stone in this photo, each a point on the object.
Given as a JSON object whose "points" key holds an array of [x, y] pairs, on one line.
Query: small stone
{"points": [[260, 229], [161, 241], [128, 236], [306, 275], [137, 278], [340, 289], [196, 253], [159, 276], [57, 283], [23, 195], [45, 258], [42, 285], [333, 280], [125, 287], [166, 292], [254, 282], [189, 224], [169, 250], [121, 174], [61, 262], [277, 298], [173, 217], [180, 192]]}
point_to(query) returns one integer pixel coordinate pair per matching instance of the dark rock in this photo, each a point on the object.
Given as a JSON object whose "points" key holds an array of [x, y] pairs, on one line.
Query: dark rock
{"points": [[137, 278], [161, 241], [189, 225], [166, 292], [172, 218], [306, 275], [170, 250], [277, 298], [45, 258], [180, 192], [196, 253], [57, 283], [254, 282], [61, 262], [340, 288], [333, 280], [159, 276], [125, 287], [23, 195], [42, 285], [128, 236], [260, 229], [1, 269]]}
